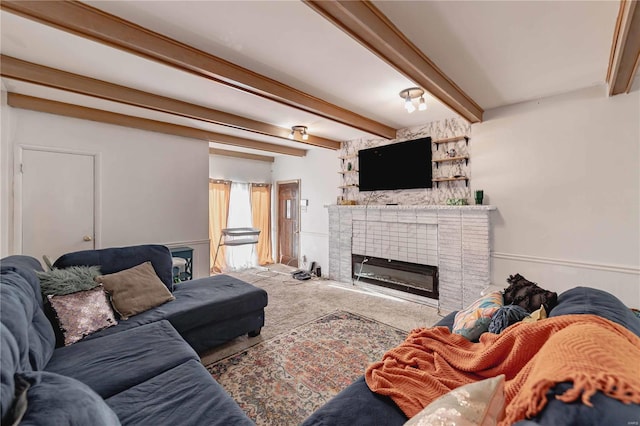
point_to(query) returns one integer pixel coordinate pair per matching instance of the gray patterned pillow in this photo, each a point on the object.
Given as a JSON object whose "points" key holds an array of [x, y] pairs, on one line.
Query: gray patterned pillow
{"points": [[82, 313]]}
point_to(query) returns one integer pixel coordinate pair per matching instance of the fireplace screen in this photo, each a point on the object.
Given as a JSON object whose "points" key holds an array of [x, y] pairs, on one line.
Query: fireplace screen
{"points": [[404, 276]]}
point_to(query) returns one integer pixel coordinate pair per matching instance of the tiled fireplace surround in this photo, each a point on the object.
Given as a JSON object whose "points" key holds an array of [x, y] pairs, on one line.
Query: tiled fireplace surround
{"points": [[453, 238]]}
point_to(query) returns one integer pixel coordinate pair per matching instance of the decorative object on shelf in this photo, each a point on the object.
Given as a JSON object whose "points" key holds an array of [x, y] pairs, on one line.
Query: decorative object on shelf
{"points": [[300, 129], [456, 202], [349, 166], [479, 195], [451, 153], [409, 95]]}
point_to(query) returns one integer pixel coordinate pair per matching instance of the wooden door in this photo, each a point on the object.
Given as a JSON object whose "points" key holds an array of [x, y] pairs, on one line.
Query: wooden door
{"points": [[58, 199], [288, 223]]}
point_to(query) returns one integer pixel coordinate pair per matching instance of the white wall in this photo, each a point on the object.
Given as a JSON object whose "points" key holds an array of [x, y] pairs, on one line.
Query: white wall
{"points": [[318, 173], [564, 174], [239, 169], [154, 187], [6, 169]]}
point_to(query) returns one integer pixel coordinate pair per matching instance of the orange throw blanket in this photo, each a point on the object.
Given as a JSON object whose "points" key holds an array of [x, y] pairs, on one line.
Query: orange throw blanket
{"points": [[592, 352]]}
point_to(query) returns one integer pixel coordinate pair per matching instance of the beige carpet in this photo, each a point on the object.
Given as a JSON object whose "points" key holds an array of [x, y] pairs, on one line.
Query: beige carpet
{"points": [[293, 303]]}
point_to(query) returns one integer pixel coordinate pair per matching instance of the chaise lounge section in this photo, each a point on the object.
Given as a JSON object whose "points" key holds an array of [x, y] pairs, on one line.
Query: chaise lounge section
{"points": [[207, 312]]}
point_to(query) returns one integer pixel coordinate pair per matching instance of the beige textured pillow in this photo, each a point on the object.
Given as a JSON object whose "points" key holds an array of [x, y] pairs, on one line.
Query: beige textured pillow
{"points": [[135, 290]]}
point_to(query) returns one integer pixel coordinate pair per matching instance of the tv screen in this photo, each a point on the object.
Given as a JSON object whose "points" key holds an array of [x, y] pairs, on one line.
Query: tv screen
{"points": [[404, 165]]}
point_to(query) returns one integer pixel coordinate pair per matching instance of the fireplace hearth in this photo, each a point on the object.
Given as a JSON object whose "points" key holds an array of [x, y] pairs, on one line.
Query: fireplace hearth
{"points": [[412, 278]]}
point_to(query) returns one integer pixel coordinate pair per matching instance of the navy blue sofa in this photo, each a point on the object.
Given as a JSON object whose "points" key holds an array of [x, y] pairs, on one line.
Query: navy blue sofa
{"points": [[358, 405], [145, 370]]}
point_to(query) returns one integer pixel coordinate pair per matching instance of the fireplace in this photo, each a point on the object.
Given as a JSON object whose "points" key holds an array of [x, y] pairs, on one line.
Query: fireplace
{"points": [[404, 276]]}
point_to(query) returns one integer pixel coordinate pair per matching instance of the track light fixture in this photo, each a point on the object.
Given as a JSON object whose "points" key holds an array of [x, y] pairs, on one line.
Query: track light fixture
{"points": [[409, 95], [300, 129]]}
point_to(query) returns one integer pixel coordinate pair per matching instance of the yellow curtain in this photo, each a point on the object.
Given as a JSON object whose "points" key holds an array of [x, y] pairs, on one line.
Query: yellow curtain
{"points": [[261, 214], [219, 192]]}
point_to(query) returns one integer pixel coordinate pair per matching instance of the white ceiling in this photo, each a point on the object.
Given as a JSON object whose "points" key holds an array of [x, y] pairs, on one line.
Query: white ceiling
{"points": [[499, 53]]}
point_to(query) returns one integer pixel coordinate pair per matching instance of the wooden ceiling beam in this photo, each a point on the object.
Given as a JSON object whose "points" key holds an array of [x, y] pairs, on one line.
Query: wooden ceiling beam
{"points": [[370, 27], [91, 23], [69, 110], [245, 155], [625, 48], [38, 74]]}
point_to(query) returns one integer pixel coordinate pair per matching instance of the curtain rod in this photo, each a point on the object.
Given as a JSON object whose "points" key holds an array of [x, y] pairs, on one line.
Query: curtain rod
{"points": [[227, 182]]}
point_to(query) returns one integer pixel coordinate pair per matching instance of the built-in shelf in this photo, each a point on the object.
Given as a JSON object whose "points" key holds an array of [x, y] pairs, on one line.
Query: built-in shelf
{"points": [[347, 157], [344, 172], [449, 140], [449, 159], [348, 186], [451, 179]]}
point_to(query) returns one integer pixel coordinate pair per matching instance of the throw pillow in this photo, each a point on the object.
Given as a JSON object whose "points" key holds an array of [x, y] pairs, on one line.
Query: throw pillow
{"points": [[135, 290], [479, 403], [82, 313], [536, 315], [528, 294], [474, 320], [506, 316], [68, 280], [53, 399]]}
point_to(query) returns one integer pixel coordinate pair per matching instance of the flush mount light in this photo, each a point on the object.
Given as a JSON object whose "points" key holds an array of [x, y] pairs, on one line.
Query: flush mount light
{"points": [[300, 129], [409, 95]]}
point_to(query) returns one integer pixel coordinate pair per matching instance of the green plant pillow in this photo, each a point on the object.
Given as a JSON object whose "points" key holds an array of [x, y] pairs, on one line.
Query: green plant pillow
{"points": [[58, 282]]}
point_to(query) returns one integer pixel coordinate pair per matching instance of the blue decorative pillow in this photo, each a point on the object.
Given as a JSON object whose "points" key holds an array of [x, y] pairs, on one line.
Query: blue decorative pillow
{"points": [[475, 319], [53, 399]]}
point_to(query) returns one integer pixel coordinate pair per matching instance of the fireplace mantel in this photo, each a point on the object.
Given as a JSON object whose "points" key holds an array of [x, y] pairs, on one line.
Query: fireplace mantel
{"points": [[456, 239]]}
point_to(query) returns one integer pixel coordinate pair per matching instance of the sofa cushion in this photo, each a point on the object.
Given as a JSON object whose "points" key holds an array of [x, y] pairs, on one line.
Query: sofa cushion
{"points": [[214, 298], [357, 405], [586, 300], [188, 392], [135, 290], [9, 364], [605, 410], [118, 259], [20, 305], [53, 399], [114, 363], [26, 267], [82, 313]]}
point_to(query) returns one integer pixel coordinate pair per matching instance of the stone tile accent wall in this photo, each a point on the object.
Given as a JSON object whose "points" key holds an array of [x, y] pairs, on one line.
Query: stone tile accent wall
{"points": [[441, 129], [455, 239]]}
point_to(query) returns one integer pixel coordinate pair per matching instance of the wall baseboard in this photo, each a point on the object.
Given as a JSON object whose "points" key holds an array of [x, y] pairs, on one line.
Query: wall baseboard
{"points": [[569, 263]]}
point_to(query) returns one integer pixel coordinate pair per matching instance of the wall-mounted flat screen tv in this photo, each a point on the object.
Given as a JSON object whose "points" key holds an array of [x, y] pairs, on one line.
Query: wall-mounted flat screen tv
{"points": [[403, 165]]}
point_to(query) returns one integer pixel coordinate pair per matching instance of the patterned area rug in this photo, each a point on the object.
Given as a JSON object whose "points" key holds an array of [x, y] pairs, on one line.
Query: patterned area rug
{"points": [[283, 380]]}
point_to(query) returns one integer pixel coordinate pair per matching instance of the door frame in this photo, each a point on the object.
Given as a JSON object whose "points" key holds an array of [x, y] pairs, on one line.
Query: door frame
{"points": [[18, 191], [277, 215]]}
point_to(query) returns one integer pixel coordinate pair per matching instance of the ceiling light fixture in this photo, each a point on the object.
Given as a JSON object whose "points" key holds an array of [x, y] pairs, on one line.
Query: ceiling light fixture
{"points": [[409, 95], [300, 129]]}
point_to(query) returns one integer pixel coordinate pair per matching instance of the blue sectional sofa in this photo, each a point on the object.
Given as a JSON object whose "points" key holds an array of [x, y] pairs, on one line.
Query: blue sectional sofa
{"points": [[145, 370], [358, 405]]}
